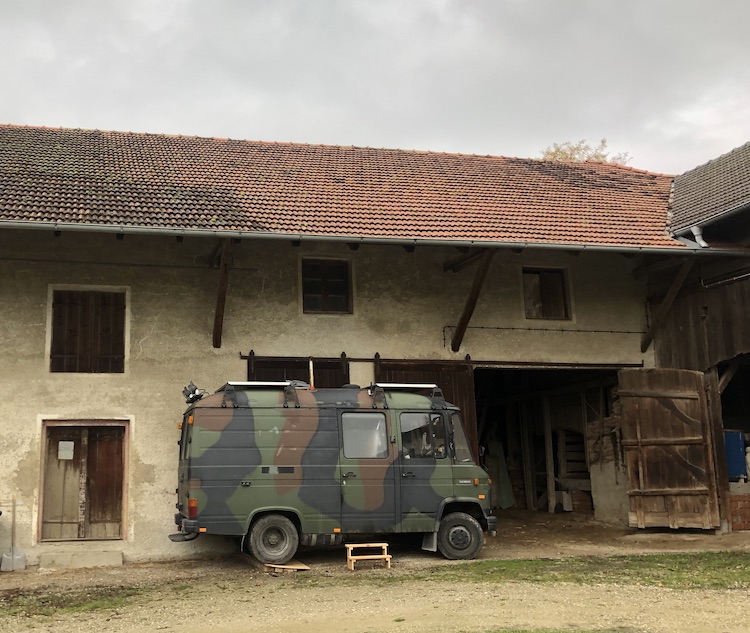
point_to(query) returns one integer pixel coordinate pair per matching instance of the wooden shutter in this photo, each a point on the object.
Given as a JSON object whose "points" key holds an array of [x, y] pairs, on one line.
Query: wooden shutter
{"points": [[328, 373], [88, 331]]}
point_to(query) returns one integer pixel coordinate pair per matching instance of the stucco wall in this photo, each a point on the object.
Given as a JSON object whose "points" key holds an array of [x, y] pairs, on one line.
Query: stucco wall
{"points": [[404, 307]]}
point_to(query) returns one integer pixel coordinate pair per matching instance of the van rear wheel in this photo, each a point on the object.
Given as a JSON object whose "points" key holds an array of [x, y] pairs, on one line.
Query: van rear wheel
{"points": [[273, 539], [460, 536]]}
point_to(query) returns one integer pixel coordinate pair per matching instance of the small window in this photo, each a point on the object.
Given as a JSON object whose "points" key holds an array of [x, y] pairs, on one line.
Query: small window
{"points": [[545, 294], [88, 331], [326, 286], [422, 435], [365, 435]]}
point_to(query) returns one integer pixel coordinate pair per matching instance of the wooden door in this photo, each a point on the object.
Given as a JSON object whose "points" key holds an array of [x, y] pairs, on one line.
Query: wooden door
{"points": [[83, 483], [668, 442]]}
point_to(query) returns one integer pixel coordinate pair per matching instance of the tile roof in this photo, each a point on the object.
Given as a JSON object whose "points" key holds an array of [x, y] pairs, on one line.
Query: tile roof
{"points": [[712, 190], [52, 175]]}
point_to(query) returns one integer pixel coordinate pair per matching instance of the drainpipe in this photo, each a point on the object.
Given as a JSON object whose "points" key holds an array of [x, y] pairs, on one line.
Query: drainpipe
{"points": [[698, 234]]}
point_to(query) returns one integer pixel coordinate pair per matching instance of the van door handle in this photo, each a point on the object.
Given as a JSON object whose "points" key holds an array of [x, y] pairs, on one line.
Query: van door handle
{"points": [[349, 474], [408, 474]]}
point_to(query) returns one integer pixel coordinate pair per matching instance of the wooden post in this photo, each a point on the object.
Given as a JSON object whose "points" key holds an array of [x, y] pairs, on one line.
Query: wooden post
{"points": [[529, 476], [549, 457]]}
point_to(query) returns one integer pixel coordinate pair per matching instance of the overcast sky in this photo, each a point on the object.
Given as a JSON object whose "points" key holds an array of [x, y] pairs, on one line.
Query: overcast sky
{"points": [[667, 81]]}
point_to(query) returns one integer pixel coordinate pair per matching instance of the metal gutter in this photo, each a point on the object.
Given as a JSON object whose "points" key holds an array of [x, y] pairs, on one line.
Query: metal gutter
{"points": [[243, 235]]}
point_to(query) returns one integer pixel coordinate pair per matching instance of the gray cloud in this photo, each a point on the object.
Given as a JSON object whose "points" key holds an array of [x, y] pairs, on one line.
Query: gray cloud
{"points": [[667, 81]]}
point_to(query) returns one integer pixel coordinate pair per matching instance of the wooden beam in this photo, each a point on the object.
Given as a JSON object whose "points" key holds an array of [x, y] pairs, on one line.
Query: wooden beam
{"points": [[661, 265], [549, 457], [471, 300], [529, 476], [727, 376], [457, 264], [666, 304], [221, 299]]}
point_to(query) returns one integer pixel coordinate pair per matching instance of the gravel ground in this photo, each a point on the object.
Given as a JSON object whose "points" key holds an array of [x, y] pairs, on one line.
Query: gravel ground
{"points": [[237, 594]]}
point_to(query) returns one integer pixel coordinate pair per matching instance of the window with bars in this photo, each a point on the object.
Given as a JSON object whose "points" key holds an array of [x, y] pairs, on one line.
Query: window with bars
{"points": [[545, 294], [88, 331], [326, 286]]}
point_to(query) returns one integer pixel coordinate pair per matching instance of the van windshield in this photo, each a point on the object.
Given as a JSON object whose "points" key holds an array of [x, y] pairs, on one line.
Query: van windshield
{"points": [[461, 444]]}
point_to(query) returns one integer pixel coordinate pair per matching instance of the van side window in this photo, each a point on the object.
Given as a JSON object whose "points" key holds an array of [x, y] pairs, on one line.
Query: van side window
{"points": [[422, 435], [365, 435]]}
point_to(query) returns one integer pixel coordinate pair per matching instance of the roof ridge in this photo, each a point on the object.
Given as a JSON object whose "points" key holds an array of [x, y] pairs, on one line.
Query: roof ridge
{"points": [[420, 152], [713, 160], [628, 168]]}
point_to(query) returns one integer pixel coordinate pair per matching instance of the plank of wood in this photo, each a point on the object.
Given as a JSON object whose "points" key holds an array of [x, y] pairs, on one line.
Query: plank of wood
{"points": [[292, 565]]}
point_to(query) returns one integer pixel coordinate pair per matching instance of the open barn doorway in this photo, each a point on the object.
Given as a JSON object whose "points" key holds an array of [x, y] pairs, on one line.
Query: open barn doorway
{"points": [[535, 428]]}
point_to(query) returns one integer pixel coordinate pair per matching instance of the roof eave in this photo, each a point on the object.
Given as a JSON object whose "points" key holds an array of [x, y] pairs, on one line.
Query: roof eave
{"points": [[678, 249], [685, 230]]}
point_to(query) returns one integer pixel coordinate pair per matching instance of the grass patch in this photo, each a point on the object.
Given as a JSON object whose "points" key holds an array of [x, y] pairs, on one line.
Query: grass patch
{"points": [[705, 570], [43, 602]]}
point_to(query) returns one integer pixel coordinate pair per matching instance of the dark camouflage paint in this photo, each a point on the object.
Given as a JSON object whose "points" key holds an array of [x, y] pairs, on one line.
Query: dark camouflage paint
{"points": [[261, 456]]}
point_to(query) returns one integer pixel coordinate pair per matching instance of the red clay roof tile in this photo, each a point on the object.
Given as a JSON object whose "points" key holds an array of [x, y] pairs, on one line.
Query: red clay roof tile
{"points": [[53, 175]]}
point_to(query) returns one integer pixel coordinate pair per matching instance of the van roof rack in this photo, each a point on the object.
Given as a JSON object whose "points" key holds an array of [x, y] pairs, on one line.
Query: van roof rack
{"points": [[377, 391], [290, 387], [261, 384]]}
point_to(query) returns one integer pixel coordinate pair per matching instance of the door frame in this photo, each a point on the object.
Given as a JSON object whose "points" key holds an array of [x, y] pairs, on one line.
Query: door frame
{"points": [[47, 423]]}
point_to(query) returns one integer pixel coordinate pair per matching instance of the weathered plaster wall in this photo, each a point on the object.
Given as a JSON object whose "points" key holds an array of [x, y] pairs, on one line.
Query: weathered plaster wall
{"points": [[404, 307]]}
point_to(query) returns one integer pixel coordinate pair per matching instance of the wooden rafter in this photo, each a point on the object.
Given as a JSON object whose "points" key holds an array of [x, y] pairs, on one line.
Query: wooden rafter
{"points": [[666, 304], [471, 300], [457, 264], [728, 374], [225, 255]]}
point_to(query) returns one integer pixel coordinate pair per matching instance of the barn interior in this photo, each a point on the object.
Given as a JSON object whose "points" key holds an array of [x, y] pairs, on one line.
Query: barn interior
{"points": [[539, 429]]}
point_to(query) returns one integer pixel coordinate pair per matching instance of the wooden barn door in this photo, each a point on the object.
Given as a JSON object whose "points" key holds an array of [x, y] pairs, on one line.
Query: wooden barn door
{"points": [[668, 442], [455, 379]]}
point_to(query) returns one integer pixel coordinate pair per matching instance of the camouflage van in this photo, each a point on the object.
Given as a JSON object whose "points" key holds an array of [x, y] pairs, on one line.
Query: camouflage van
{"points": [[281, 465]]}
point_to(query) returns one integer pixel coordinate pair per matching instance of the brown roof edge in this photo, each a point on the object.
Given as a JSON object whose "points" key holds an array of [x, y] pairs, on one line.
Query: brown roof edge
{"points": [[678, 249], [722, 215]]}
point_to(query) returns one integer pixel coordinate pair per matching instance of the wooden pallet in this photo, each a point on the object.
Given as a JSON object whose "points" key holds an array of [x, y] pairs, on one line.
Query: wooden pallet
{"points": [[352, 558]]}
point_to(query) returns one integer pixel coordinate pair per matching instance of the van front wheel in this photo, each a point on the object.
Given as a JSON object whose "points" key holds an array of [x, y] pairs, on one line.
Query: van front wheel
{"points": [[460, 536], [273, 539]]}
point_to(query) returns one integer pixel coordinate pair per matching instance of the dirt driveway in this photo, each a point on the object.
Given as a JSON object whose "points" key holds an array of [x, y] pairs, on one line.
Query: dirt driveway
{"points": [[237, 595]]}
